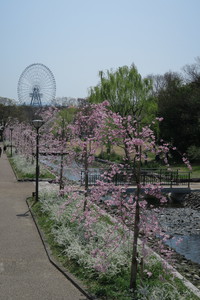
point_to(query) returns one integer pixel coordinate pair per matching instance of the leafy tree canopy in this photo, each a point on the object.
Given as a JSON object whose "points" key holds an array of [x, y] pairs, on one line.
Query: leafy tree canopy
{"points": [[127, 92]]}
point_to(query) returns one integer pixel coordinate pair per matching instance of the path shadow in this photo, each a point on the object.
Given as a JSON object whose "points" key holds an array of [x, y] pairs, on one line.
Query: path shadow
{"points": [[26, 214]]}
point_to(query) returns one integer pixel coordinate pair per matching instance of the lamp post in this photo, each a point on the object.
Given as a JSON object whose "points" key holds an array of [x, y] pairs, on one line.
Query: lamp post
{"points": [[37, 124], [11, 130]]}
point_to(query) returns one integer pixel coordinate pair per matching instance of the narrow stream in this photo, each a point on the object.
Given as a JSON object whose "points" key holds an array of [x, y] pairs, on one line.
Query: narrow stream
{"points": [[189, 247]]}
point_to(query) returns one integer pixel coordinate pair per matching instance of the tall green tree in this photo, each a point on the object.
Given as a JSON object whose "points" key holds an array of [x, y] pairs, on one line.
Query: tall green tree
{"points": [[179, 105], [125, 89]]}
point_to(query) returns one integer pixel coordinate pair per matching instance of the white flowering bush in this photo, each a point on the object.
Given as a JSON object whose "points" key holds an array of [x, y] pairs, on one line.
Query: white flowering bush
{"points": [[93, 239], [166, 291], [26, 167]]}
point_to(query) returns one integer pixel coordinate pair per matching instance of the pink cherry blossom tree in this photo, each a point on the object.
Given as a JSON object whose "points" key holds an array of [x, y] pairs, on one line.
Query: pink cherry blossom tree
{"points": [[138, 141], [86, 140]]}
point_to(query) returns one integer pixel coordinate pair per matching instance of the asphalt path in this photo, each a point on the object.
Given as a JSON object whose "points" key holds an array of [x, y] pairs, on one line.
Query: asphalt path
{"points": [[25, 271]]}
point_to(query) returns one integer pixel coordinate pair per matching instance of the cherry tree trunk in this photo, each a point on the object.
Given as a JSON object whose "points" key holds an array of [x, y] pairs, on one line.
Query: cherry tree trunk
{"points": [[86, 176], [134, 262]]}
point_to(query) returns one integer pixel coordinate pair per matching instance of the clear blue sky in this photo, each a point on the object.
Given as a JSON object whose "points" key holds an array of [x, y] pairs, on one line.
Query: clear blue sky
{"points": [[76, 39]]}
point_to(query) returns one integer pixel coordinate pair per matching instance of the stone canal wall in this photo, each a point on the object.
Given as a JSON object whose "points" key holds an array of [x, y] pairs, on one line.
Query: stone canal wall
{"points": [[192, 200]]}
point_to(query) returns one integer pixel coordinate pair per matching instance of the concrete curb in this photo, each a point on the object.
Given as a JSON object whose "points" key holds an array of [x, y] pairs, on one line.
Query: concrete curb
{"points": [[186, 282], [56, 264]]}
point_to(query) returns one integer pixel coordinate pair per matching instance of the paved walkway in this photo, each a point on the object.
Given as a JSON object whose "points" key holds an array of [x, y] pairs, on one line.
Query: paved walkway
{"points": [[25, 271]]}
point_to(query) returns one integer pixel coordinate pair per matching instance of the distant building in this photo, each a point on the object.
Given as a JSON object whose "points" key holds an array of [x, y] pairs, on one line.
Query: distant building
{"points": [[69, 101]]}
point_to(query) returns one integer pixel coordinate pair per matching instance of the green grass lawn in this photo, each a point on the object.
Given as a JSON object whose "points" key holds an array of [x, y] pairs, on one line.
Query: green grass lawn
{"points": [[195, 173], [118, 153]]}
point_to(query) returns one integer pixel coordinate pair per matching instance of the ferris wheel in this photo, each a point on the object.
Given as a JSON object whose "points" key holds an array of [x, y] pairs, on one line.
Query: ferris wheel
{"points": [[36, 85]]}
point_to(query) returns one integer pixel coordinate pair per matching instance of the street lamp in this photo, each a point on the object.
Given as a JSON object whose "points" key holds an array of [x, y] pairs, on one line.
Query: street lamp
{"points": [[37, 124], [11, 130]]}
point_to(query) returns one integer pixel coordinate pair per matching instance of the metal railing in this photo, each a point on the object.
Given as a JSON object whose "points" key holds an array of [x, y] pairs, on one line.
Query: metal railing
{"points": [[147, 176]]}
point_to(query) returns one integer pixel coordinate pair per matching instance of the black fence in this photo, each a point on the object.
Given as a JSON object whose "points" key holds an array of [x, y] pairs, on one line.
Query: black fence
{"points": [[146, 176]]}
